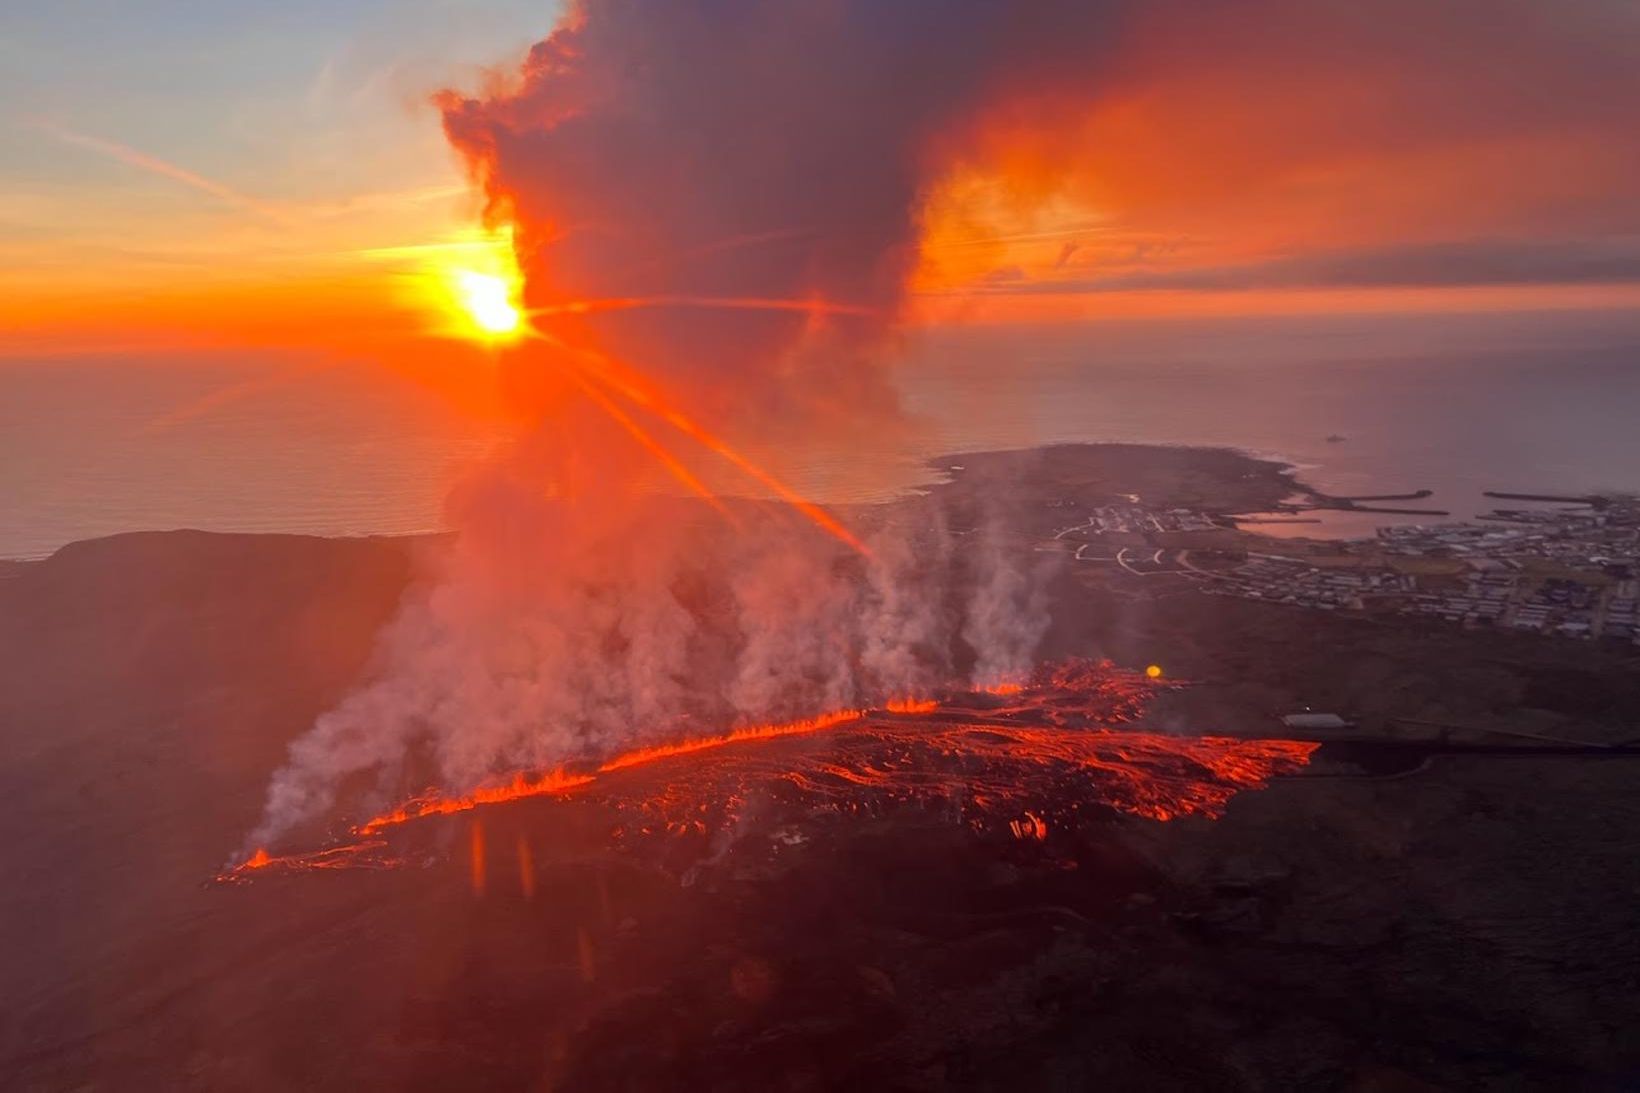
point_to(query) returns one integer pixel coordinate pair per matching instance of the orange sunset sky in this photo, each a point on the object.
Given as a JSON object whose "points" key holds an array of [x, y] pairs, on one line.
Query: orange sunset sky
{"points": [[249, 176]]}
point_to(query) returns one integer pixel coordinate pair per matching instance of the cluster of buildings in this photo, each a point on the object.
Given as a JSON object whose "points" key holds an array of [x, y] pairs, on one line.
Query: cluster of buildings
{"points": [[1137, 520], [1275, 578], [1623, 612], [1569, 572], [1572, 572], [1486, 597], [1580, 538]]}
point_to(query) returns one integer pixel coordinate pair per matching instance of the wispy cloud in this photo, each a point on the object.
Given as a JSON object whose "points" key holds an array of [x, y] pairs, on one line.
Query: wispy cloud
{"points": [[154, 165], [1480, 262]]}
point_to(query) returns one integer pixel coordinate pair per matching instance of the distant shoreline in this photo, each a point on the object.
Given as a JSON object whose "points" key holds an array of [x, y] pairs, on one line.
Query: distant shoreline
{"points": [[1255, 489], [1221, 479]]}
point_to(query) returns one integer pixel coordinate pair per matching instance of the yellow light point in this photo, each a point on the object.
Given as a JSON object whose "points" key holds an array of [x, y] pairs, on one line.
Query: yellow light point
{"points": [[1154, 671], [469, 287], [488, 301]]}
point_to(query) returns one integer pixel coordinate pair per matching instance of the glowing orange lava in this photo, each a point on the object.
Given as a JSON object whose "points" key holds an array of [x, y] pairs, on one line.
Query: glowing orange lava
{"points": [[1030, 826], [434, 804], [367, 853], [522, 786], [1029, 768], [751, 732]]}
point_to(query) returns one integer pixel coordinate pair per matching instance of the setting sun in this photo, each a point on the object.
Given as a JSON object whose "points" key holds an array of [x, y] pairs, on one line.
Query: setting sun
{"points": [[488, 301]]}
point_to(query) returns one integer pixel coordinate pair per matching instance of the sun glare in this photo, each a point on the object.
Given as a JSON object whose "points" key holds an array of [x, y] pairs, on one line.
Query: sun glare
{"points": [[488, 301], [469, 288]]}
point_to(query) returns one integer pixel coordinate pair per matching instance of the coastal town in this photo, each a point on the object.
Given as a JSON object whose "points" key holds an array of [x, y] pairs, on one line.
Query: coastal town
{"points": [[1569, 570]]}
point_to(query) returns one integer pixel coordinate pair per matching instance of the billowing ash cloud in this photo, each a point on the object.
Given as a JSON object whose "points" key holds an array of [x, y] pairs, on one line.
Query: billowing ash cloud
{"points": [[741, 150], [715, 206]]}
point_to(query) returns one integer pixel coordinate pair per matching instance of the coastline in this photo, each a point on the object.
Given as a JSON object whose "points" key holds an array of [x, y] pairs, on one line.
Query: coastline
{"points": [[1257, 490], [1171, 473]]}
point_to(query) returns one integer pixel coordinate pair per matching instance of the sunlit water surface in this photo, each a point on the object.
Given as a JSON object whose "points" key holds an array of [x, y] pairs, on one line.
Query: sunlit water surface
{"points": [[90, 447]]}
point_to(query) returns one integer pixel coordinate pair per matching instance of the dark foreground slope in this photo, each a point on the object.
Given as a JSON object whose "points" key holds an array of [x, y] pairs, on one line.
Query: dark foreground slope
{"points": [[1468, 924], [148, 683]]}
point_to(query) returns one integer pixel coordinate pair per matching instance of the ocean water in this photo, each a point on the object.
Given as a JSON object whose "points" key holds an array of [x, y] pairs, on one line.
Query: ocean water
{"points": [[1457, 405], [92, 447], [1527, 404]]}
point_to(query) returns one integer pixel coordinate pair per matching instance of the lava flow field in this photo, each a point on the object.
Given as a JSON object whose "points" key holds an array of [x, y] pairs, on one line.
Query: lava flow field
{"points": [[1018, 760]]}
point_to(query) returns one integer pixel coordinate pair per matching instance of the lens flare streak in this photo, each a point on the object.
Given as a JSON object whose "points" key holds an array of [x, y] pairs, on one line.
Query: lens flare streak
{"points": [[623, 380], [655, 448], [724, 303]]}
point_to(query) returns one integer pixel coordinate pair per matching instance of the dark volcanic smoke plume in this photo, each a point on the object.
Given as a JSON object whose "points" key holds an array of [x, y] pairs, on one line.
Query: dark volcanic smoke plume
{"points": [[716, 209], [740, 151]]}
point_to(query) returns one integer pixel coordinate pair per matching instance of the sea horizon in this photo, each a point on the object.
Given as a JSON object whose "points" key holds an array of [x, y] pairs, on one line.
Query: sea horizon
{"points": [[94, 446]]}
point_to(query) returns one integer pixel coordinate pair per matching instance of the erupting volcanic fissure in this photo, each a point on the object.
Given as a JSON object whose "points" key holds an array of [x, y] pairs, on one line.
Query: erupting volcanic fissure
{"points": [[559, 781], [713, 259], [1053, 754]]}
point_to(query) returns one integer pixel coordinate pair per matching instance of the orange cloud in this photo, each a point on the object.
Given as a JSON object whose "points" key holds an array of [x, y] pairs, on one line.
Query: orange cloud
{"points": [[1265, 135]]}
